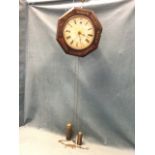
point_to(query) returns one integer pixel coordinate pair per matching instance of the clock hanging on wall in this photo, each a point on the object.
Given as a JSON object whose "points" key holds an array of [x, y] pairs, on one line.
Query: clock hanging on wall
{"points": [[78, 32]]}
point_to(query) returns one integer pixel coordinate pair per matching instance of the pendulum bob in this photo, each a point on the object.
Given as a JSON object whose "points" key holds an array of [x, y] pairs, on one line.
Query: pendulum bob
{"points": [[79, 138], [69, 131]]}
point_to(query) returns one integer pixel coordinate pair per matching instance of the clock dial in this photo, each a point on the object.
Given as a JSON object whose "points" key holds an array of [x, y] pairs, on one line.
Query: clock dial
{"points": [[79, 32]]}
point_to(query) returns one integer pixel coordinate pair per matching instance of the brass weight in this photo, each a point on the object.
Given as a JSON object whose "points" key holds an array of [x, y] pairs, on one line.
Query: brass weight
{"points": [[79, 138], [69, 131]]}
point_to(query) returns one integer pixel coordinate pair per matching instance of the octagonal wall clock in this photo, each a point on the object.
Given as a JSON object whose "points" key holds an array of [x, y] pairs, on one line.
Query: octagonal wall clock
{"points": [[78, 32]]}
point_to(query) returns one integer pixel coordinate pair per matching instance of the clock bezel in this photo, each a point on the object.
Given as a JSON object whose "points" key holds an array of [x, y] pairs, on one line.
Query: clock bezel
{"points": [[97, 31]]}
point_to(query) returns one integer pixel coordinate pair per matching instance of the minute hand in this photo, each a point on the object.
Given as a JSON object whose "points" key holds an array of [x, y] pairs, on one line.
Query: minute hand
{"points": [[80, 40]]}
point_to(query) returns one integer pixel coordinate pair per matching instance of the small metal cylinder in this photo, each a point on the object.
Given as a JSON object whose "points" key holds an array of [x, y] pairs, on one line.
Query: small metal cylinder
{"points": [[69, 131], [79, 138]]}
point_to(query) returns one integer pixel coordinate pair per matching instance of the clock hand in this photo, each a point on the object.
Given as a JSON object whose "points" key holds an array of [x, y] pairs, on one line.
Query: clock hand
{"points": [[80, 39]]}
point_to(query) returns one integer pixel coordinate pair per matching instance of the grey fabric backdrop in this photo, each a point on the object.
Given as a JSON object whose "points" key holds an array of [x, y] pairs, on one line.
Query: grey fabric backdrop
{"points": [[106, 78]]}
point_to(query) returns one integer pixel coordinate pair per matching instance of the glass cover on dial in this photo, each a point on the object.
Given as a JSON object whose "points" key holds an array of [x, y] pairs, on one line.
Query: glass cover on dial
{"points": [[79, 32]]}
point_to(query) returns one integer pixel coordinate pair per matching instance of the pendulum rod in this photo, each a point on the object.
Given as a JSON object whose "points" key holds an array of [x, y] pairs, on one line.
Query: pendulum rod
{"points": [[74, 91], [76, 118]]}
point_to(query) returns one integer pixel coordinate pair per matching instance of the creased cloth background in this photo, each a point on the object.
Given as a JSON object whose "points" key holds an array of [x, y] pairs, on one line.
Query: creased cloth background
{"points": [[106, 77]]}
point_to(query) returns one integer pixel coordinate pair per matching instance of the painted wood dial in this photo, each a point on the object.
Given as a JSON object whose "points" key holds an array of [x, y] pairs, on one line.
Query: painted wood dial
{"points": [[78, 32]]}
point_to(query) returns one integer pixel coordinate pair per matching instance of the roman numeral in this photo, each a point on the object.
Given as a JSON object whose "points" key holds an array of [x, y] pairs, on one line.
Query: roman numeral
{"points": [[68, 37], [86, 23], [90, 35], [80, 20], [87, 40], [90, 28], [70, 25], [74, 21], [71, 42], [76, 44], [68, 31]]}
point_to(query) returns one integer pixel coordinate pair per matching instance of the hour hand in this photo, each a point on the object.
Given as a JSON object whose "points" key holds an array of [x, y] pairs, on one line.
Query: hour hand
{"points": [[79, 33]]}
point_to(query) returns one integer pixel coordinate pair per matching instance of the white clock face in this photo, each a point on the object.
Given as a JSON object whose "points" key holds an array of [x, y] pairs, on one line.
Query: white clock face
{"points": [[79, 32]]}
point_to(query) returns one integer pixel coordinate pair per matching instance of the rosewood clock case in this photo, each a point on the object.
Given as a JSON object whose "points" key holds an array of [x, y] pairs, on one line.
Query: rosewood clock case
{"points": [[97, 27]]}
